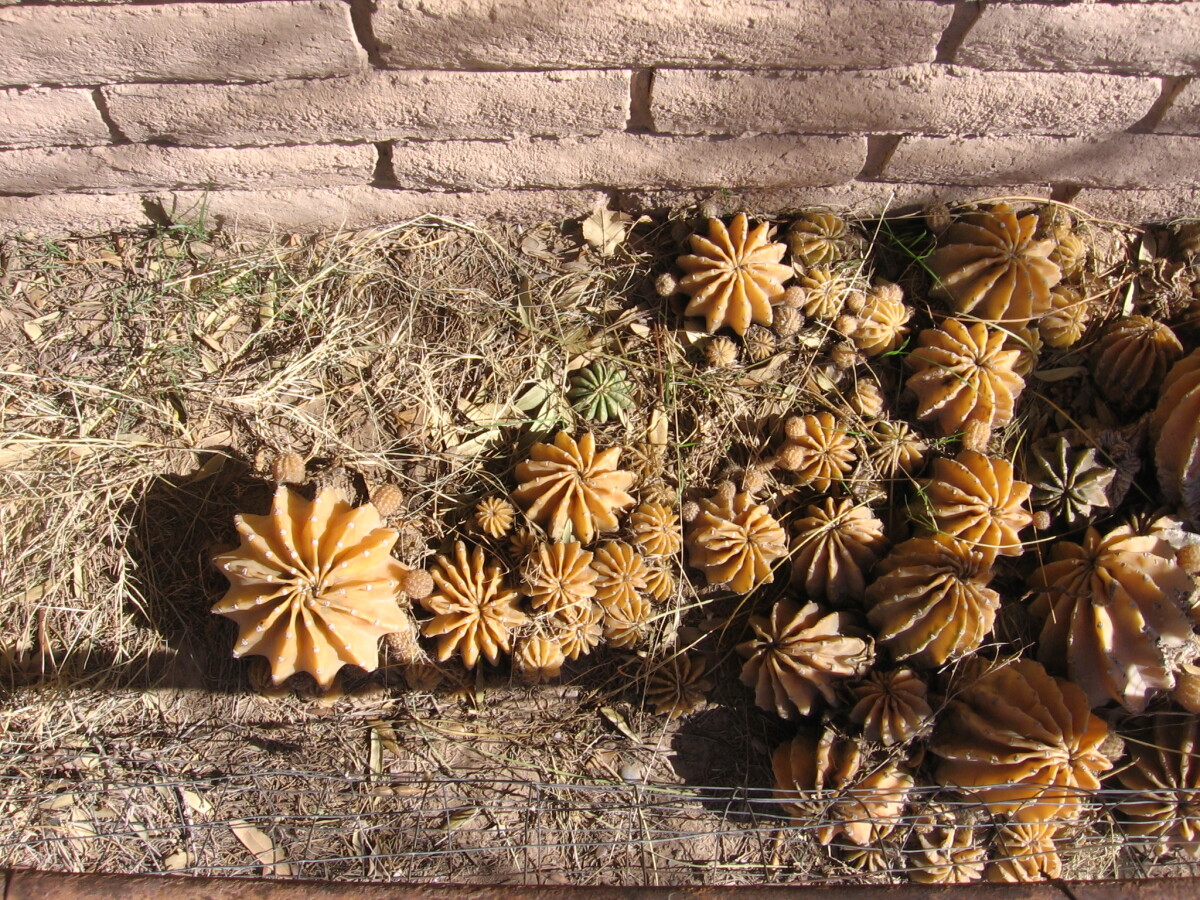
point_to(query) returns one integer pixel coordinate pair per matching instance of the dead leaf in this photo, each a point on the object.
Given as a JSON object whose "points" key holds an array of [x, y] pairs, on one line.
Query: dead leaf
{"points": [[605, 230], [180, 859], [197, 803], [618, 722], [263, 848], [659, 432]]}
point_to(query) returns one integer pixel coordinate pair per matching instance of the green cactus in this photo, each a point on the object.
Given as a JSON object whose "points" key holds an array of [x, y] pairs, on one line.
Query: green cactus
{"points": [[600, 392]]}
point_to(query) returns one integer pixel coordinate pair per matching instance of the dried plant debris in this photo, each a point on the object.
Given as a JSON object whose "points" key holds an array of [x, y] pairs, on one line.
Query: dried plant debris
{"points": [[574, 480]]}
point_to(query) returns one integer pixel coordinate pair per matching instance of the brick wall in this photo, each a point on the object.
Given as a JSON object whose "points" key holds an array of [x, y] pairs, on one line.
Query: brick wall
{"points": [[300, 114]]}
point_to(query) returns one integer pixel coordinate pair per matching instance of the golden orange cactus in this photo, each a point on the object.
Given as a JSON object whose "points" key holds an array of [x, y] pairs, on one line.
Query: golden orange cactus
{"points": [[823, 778], [976, 499], [569, 482], [892, 707], [1025, 851], [735, 541], [1024, 742], [946, 854], [1130, 359], [964, 374], [988, 264], [817, 450], [930, 602], [313, 585], [836, 544], [655, 530], [798, 655], [559, 575], [474, 609], [1162, 807], [538, 658], [678, 686], [734, 276], [1113, 608], [882, 321], [1175, 426]]}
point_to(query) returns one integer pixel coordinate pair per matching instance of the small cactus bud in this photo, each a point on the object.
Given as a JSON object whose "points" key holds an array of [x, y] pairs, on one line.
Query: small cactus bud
{"points": [[666, 284], [794, 297], [388, 499], [720, 352], [787, 321], [417, 584], [288, 468]]}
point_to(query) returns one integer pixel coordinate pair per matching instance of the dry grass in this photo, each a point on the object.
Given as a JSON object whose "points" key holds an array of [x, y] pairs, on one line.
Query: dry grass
{"points": [[146, 379]]}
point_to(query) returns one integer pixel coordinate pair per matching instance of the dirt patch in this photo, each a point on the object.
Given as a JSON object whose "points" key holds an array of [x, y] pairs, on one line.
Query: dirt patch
{"points": [[147, 380]]}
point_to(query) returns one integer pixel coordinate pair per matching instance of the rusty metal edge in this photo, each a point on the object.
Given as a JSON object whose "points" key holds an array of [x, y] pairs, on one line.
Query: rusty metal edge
{"points": [[28, 884]]}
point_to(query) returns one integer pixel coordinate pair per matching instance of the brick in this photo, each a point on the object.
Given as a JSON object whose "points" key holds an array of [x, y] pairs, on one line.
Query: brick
{"points": [[80, 45], [473, 34], [37, 117], [1154, 38], [864, 199], [328, 209], [375, 107], [1122, 161], [1183, 115], [931, 99], [75, 213], [629, 160], [1140, 206], [133, 167]]}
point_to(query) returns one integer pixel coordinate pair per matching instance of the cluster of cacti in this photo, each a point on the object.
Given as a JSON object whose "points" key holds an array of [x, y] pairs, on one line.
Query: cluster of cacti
{"points": [[939, 463]]}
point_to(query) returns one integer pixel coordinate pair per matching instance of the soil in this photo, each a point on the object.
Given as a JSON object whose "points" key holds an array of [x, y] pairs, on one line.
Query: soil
{"points": [[147, 380]]}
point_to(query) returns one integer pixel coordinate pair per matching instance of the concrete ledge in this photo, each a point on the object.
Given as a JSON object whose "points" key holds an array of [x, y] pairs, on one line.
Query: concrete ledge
{"points": [[1183, 115], [1154, 38], [64, 213], [138, 167], [1140, 206], [867, 199], [328, 209], [38, 116], [1119, 161], [628, 161]]}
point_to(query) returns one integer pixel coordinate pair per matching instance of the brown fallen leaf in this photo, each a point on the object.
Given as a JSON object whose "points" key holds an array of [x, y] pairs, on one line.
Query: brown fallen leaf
{"points": [[257, 842]]}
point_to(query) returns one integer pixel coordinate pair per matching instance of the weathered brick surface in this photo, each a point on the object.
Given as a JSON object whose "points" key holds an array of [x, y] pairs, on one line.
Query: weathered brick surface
{"points": [[1183, 115], [375, 107], [133, 167], [934, 99], [327, 209], [38, 117], [629, 160], [1157, 38], [80, 45], [1121, 161], [468, 34], [60, 213], [859, 198], [1140, 206]]}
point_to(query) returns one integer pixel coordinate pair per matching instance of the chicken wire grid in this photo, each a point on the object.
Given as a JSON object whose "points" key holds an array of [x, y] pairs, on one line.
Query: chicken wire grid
{"points": [[100, 804]]}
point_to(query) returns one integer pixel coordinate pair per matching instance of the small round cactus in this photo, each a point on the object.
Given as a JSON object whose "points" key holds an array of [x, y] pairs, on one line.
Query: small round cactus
{"points": [[601, 392], [288, 468]]}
